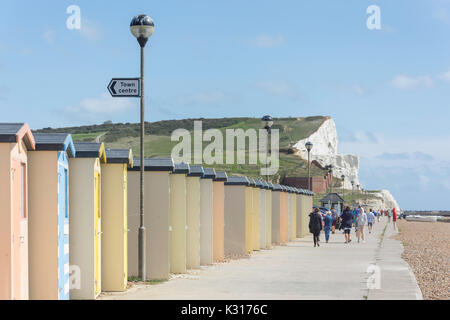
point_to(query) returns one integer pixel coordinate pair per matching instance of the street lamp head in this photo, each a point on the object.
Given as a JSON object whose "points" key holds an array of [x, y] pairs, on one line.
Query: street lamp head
{"points": [[267, 121], [353, 183], [308, 146], [342, 177], [142, 27]]}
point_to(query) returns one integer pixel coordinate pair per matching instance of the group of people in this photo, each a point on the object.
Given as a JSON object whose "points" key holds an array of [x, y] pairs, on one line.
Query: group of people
{"points": [[357, 218]]}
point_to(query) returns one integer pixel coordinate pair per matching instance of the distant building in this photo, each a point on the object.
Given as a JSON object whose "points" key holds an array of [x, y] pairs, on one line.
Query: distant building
{"points": [[333, 200], [319, 184]]}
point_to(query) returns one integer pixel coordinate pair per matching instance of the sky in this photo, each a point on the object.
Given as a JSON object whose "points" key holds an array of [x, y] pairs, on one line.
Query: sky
{"points": [[387, 89]]}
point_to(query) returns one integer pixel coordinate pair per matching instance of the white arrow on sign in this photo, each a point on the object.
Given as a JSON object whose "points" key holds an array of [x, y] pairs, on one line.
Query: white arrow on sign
{"points": [[125, 87]]}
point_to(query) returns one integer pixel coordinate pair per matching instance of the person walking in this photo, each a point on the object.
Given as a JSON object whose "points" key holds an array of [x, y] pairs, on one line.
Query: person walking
{"points": [[361, 221], [394, 218], [389, 214], [370, 220], [346, 223], [379, 215], [328, 225], [334, 217], [315, 225]]}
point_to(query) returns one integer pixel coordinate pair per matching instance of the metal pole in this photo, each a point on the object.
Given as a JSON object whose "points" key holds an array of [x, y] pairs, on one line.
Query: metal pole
{"points": [[309, 171], [141, 263], [269, 151], [352, 194], [267, 154]]}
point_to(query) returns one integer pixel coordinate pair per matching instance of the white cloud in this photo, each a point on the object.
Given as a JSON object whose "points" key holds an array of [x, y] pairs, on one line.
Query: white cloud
{"points": [[280, 88], [101, 105], [49, 35], [267, 41], [90, 30], [358, 90], [445, 76], [405, 82]]}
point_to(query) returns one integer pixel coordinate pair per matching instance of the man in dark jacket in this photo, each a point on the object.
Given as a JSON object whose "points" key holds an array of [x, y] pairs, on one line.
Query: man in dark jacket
{"points": [[315, 225], [347, 221]]}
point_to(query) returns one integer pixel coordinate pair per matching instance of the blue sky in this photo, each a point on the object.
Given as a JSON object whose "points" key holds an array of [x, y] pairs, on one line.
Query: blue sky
{"points": [[388, 90]]}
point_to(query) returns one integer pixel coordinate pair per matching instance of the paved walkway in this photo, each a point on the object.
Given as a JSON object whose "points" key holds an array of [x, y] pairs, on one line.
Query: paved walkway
{"points": [[298, 271]]}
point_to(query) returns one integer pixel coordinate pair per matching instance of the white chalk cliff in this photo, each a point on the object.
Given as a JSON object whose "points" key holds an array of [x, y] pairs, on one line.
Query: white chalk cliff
{"points": [[325, 152]]}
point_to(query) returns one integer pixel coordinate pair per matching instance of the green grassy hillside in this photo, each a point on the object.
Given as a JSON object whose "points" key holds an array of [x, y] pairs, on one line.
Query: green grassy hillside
{"points": [[158, 142]]}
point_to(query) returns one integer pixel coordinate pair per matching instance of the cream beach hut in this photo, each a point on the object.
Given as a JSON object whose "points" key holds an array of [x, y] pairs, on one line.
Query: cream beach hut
{"points": [[85, 219]]}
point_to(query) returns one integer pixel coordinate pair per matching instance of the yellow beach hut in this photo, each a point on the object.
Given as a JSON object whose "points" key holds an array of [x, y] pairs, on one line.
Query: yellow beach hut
{"points": [[256, 224], [193, 216], [218, 216], [276, 213], [178, 226], [237, 216], [284, 215], [85, 219], [114, 195], [249, 215], [269, 215], [156, 221], [294, 212], [206, 216], [16, 140], [48, 221]]}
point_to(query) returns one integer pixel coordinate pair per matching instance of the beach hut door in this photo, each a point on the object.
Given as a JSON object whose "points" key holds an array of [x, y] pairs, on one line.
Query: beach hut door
{"points": [[63, 232], [19, 255], [97, 234]]}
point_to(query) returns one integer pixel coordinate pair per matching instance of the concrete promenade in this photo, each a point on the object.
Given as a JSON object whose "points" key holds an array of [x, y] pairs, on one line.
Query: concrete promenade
{"points": [[299, 271]]}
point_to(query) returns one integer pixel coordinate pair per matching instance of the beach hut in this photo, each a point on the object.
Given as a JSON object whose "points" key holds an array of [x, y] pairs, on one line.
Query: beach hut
{"points": [[218, 216], [48, 219], [236, 216], [262, 214], [250, 215], [178, 205], [156, 212], [206, 216], [269, 215], [114, 219], [299, 213], [276, 213], [284, 212], [256, 214], [193, 216], [85, 219], [289, 196], [294, 212], [16, 140]]}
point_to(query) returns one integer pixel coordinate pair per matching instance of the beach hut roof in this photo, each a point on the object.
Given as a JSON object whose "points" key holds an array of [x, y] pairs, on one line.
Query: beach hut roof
{"points": [[210, 173], [264, 184], [181, 167], [277, 187], [90, 150], [221, 176], [196, 171], [14, 132], [55, 142], [251, 182], [153, 164], [270, 185], [259, 184], [119, 156], [237, 181]]}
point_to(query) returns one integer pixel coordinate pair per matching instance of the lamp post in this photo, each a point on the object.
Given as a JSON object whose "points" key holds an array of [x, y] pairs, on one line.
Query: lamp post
{"points": [[142, 27], [330, 171], [357, 189], [343, 180], [353, 184], [267, 122], [308, 147]]}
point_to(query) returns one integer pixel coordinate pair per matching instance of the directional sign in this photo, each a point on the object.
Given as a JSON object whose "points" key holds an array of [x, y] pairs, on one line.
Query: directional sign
{"points": [[125, 87]]}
